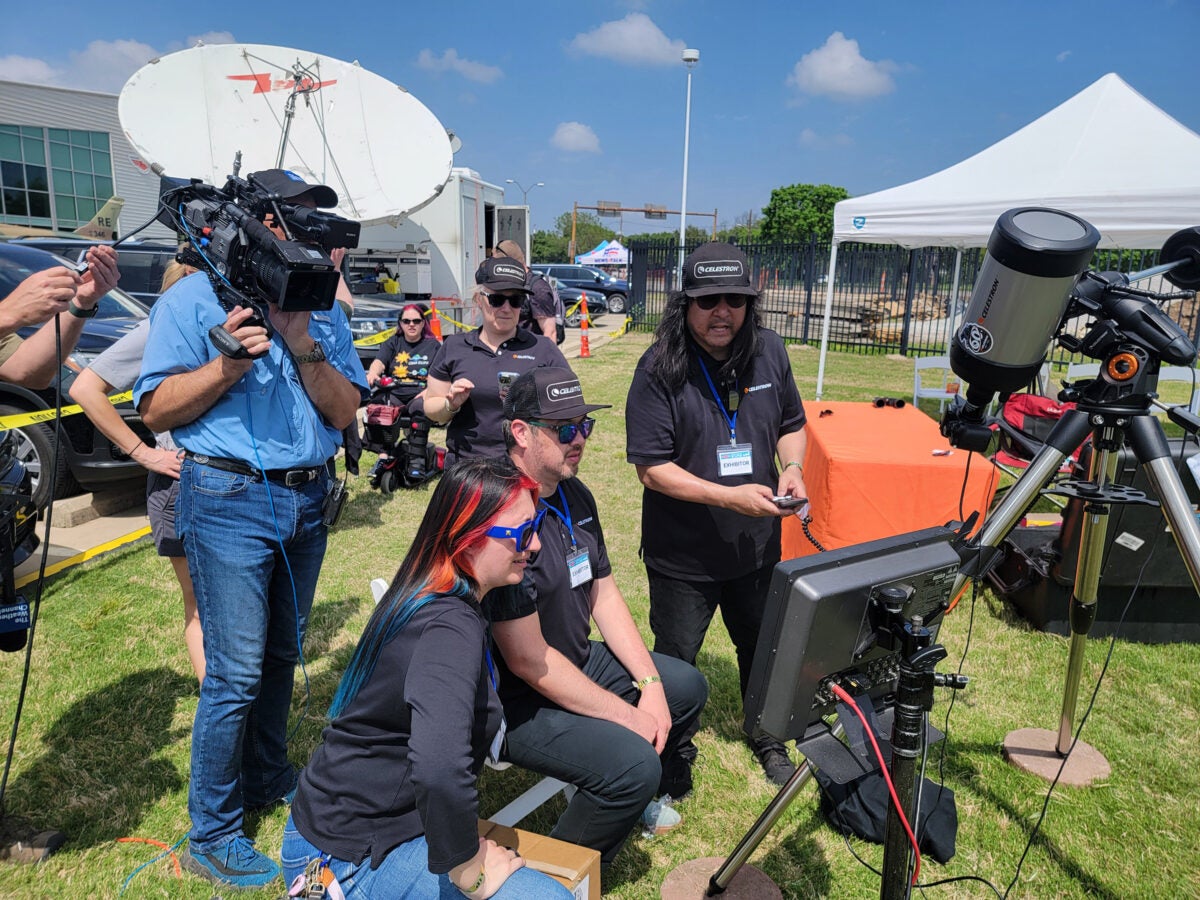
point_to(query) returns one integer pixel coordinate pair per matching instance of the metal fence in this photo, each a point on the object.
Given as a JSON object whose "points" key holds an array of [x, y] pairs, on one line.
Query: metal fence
{"points": [[885, 299]]}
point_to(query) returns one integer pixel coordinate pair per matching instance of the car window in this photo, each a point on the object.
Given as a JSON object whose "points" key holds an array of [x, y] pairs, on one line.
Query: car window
{"points": [[17, 266]]}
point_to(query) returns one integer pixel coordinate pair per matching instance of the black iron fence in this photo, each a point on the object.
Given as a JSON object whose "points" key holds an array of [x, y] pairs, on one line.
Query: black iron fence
{"points": [[886, 299]]}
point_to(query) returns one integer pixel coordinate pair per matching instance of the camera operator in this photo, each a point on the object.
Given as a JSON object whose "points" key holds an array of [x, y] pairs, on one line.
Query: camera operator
{"points": [[712, 405], [259, 434]]}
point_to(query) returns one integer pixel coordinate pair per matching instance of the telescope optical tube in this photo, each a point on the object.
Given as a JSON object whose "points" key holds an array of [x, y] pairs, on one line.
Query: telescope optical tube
{"points": [[1034, 257]]}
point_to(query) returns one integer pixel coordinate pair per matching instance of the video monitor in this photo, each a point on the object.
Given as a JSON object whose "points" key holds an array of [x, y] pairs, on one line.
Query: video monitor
{"points": [[825, 620]]}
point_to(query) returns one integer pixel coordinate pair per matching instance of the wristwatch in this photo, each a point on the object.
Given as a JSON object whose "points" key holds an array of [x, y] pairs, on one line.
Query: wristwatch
{"points": [[315, 355], [81, 313]]}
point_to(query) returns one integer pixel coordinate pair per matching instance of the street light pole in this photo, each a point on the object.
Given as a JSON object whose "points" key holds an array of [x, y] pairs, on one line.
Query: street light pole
{"points": [[524, 190], [690, 58]]}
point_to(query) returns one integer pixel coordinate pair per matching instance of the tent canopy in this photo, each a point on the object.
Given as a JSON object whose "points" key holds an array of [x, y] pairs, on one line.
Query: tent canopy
{"points": [[606, 253], [1108, 155]]}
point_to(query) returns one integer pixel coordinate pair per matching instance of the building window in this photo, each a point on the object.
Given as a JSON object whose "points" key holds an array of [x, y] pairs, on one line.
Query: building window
{"points": [[53, 177]]}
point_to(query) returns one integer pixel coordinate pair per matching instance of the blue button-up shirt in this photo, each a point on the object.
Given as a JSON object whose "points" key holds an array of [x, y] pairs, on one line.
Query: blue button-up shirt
{"points": [[266, 419]]}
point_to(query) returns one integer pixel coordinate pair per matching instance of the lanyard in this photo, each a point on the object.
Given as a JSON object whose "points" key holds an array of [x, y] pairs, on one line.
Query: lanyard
{"points": [[487, 655], [730, 420], [563, 514]]}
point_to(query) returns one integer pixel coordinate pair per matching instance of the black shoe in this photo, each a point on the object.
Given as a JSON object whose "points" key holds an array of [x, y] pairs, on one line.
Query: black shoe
{"points": [[774, 759]]}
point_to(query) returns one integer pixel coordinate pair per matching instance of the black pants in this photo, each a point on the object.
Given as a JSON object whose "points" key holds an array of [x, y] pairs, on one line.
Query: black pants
{"points": [[615, 770]]}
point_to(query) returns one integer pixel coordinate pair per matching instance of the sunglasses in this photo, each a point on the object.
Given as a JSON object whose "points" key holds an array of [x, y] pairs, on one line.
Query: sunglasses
{"points": [[513, 300], [411, 321], [566, 433], [733, 301], [522, 534]]}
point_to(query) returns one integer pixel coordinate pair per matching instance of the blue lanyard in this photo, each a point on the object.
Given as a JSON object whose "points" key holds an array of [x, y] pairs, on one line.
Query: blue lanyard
{"points": [[487, 655], [731, 420], [563, 514]]}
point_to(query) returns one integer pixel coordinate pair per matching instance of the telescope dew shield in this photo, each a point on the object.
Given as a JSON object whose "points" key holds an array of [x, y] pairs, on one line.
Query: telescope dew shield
{"points": [[1034, 257]]}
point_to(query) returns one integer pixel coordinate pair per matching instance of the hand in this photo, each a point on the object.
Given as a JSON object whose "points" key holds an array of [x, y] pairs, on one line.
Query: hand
{"points": [[252, 337], [498, 862], [100, 278], [791, 484], [753, 500], [653, 702], [643, 724], [460, 392], [40, 297], [372, 378], [337, 254], [292, 327], [164, 462]]}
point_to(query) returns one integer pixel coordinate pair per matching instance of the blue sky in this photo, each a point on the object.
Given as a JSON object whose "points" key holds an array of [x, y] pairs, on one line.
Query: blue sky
{"points": [[589, 97]]}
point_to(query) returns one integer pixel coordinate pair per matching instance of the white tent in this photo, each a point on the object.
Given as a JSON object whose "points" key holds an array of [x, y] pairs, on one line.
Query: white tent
{"points": [[1107, 154], [606, 253]]}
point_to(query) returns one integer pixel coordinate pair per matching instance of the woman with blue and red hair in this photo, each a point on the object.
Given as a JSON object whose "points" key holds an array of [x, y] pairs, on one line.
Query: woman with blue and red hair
{"points": [[388, 802]]}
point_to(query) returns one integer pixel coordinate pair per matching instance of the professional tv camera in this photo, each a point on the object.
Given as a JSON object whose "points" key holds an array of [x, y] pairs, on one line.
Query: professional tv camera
{"points": [[247, 264]]}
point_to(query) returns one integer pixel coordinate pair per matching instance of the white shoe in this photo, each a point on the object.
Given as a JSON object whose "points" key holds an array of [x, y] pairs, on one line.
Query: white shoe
{"points": [[659, 817]]}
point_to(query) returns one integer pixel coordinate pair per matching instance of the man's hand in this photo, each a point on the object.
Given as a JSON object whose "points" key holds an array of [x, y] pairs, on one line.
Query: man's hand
{"points": [[100, 278], [653, 702], [252, 337], [753, 500], [38, 298], [292, 327]]}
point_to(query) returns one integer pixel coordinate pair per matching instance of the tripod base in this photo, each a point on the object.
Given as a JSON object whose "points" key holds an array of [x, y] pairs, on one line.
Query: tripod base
{"points": [[1034, 750], [689, 881], [20, 844]]}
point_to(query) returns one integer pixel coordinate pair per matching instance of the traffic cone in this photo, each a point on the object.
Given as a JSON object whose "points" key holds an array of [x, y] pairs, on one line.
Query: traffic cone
{"points": [[584, 352], [434, 322]]}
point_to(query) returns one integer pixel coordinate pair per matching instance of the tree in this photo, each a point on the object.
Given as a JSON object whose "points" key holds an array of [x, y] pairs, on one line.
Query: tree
{"points": [[588, 231], [547, 247], [799, 210]]}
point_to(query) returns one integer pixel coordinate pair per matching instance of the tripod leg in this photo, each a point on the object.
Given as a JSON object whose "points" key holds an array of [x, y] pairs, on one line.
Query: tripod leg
{"points": [[1154, 453], [1086, 591]]}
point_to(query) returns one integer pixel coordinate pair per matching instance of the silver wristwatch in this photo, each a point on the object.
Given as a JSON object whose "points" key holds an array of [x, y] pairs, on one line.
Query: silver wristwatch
{"points": [[315, 355]]}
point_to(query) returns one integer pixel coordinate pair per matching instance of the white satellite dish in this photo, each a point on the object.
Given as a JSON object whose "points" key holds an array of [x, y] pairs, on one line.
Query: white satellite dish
{"points": [[379, 147]]}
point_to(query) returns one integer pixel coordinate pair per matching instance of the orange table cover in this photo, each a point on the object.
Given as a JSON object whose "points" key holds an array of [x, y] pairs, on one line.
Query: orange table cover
{"points": [[871, 473]]}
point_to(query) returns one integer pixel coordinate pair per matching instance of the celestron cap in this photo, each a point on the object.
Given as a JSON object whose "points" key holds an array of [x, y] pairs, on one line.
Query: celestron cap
{"points": [[501, 274], [717, 268], [290, 186], [547, 392]]}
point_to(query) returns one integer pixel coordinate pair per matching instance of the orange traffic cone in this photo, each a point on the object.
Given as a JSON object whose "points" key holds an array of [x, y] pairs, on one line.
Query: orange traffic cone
{"points": [[434, 322], [584, 352]]}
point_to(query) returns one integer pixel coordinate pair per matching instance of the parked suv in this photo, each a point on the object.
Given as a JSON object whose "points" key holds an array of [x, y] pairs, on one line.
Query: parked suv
{"points": [[87, 458], [586, 278], [141, 264]]}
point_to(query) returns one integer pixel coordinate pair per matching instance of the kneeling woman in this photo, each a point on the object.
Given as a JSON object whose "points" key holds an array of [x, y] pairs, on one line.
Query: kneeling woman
{"points": [[388, 801]]}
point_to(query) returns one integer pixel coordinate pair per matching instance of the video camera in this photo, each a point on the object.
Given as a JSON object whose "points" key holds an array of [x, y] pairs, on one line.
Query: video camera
{"points": [[247, 264]]}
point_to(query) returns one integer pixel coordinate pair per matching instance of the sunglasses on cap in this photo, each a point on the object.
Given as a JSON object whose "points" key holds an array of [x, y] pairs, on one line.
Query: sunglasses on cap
{"points": [[411, 321], [522, 534], [733, 301], [513, 300], [566, 433]]}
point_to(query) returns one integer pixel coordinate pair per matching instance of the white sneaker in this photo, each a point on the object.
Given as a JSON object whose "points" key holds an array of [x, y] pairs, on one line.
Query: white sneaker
{"points": [[659, 817]]}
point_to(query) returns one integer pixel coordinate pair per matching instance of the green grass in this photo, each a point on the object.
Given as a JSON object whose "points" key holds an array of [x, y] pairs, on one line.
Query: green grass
{"points": [[103, 748]]}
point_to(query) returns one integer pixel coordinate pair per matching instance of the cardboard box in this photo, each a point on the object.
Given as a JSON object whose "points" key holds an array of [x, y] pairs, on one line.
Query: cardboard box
{"points": [[577, 868]]}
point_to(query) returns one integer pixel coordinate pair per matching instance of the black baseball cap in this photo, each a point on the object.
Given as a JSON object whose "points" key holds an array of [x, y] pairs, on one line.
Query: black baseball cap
{"points": [[502, 274], [717, 268], [547, 392], [290, 186]]}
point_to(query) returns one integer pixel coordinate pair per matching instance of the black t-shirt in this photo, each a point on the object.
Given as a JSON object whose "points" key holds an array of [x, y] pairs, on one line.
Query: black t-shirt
{"points": [[539, 304], [403, 758], [564, 612], [693, 541], [475, 429], [408, 363]]}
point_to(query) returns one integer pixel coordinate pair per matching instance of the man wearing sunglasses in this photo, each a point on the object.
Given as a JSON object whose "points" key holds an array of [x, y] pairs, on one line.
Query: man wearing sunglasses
{"points": [[606, 716], [472, 372], [715, 428]]}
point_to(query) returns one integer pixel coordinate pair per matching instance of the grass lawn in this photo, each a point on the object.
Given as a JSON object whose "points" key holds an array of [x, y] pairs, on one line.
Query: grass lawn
{"points": [[105, 735]]}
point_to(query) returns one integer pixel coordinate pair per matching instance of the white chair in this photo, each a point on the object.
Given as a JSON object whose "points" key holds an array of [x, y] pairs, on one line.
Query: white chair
{"points": [[1188, 376], [1082, 370], [933, 379]]}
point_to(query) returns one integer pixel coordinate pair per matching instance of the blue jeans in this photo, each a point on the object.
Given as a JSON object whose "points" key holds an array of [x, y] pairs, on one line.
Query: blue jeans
{"points": [[253, 613], [404, 874]]}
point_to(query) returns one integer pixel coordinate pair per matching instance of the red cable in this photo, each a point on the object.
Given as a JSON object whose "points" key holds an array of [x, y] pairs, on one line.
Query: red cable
{"points": [[837, 689], [154, 843]]}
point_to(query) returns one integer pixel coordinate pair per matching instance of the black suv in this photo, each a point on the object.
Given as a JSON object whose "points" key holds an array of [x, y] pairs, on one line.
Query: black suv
{"points": [[586, 278], [142, 263], [87, 459]]}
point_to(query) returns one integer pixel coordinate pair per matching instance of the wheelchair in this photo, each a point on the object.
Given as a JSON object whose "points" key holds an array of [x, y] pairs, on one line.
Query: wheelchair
{"points": [[407, 458]]}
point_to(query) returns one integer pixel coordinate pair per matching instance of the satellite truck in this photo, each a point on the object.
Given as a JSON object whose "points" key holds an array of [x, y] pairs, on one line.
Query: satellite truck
{"points": [[428, 223]]}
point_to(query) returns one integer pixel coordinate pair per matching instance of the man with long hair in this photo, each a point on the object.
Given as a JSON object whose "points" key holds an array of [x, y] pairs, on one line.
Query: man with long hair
{"points": [[712, 405]]}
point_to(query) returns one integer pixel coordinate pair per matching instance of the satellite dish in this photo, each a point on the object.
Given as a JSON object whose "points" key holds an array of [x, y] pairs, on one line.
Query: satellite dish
{"points": [[379, 147]]}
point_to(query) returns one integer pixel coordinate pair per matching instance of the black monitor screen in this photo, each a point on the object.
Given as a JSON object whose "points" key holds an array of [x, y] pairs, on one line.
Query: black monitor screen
{"points": [[825, 621]]}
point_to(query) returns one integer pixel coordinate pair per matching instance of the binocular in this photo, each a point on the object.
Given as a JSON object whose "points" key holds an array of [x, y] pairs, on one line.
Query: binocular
{"points": [[881, 402]]}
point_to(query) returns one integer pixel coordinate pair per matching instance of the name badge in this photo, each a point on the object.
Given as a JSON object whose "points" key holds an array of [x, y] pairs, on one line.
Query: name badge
{"points": [[498, 741], [735, 459], [579, 567]]}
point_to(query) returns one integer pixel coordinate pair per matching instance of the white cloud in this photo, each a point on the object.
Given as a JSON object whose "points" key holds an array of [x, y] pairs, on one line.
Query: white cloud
{"points": [[1062, 57], [575, 137], [837, 69], [810, 138], [450, 61], [634, 39], [100, 66]]}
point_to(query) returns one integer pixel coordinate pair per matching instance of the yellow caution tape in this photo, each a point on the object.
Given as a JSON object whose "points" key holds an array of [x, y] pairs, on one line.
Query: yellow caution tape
{"points": [[19, 420], [624, 327], [461, 325], [378, 338]]}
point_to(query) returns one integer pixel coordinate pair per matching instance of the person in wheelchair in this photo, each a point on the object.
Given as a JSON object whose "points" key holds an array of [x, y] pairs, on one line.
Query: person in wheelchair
{"points": [[403, 365]]}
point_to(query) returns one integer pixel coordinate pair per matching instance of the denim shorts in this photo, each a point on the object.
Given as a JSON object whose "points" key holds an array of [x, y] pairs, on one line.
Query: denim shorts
{"points": [[161, 493]]}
